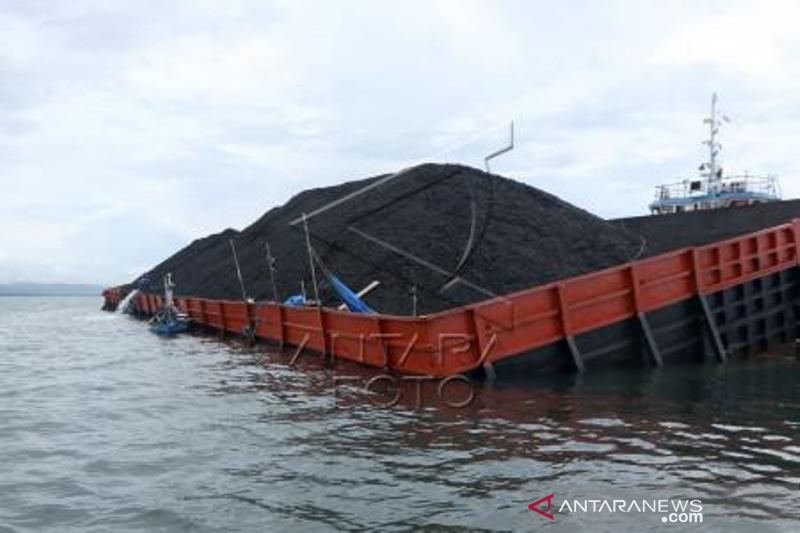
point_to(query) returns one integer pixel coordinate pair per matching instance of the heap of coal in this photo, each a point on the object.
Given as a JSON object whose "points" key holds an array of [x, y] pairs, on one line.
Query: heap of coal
{"points": [[663, 233], [457, 234]]}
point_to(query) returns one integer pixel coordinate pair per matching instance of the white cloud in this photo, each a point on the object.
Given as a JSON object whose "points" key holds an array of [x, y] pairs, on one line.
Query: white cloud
{"points": [[128, 129], [755, 40]]}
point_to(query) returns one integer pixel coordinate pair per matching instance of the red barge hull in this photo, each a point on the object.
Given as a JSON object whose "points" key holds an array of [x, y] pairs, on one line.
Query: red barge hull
{"points": [[703, 302]]}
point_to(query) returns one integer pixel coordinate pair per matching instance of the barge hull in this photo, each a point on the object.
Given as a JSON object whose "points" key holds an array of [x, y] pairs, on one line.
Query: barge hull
{"points": [[709, 301]]}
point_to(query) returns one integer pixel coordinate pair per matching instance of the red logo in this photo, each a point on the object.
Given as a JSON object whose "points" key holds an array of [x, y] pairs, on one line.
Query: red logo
{"points": [[544, 513]]}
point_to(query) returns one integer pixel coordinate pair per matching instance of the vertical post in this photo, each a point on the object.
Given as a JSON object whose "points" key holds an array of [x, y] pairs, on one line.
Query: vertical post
{"points": [[650, 340], [311, 259], [712, 148], [250, 328], [281, 331], [169, 300], [482, 346], [750, 310], [707, 320], [489, 372], [726, 332], [382, 344], [762, 322], [577, 359], [238, 270], [221, 310], [711, 328], [647, 332], [321, 316], [271, 264], [794, 312], [696, 270], [796, 232], [789, 317]]}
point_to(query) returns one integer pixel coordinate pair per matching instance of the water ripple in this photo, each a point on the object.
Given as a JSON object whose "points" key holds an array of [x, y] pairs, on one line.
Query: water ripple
{"points": [[105, 427]]}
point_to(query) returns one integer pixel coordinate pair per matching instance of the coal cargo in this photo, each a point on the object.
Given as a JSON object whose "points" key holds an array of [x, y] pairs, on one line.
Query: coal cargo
{"points": [[662, 233], [449, 234]]}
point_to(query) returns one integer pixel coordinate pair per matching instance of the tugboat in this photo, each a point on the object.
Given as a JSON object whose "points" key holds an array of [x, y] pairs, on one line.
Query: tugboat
{"points": [[712, 189], [169, 320]]}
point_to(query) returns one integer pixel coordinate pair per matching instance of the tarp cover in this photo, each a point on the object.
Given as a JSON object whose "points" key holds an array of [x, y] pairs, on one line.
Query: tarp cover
{"points": [[296, 300], [349, 298]]}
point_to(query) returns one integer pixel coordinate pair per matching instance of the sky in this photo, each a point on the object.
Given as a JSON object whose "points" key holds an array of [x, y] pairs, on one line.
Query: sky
{"points": [[128, 129]]}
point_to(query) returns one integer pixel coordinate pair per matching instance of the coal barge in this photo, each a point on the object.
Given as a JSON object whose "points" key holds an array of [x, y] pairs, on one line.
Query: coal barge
{"points": [[569, 291]]}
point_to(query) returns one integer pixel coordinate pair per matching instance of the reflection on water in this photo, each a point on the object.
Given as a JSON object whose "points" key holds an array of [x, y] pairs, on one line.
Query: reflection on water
{"points": [[106, 427]]}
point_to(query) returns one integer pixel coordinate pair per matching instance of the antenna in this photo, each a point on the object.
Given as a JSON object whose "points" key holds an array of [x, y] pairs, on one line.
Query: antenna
{"points": [[501, 151], [712, 169]]}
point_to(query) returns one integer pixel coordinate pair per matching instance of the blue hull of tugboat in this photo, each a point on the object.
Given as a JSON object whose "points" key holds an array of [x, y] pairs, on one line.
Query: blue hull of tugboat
{"points": [[169, 328]]}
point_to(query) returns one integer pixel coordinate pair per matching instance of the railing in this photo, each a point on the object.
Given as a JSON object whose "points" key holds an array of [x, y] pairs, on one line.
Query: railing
{"points": [[757, 186]]}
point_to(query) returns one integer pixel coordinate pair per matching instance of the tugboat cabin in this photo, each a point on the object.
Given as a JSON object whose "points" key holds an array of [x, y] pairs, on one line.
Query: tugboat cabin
{"points": [[713, 190]]}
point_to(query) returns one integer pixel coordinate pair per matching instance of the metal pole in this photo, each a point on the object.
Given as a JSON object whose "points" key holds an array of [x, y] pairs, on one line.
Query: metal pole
{"points": [[501, 151], [271, 263], [169, 300], [712, 143], [311, 259], [414, 300], [238, 270]]}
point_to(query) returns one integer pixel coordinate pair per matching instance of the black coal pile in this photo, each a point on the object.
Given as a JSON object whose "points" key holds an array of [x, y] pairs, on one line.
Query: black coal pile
{"points": [[663, 233], [456, 234]]}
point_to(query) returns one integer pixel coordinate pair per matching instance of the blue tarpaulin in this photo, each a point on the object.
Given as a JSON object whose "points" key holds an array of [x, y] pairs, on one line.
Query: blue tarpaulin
{"points": [[295, 301], [350, 299]]}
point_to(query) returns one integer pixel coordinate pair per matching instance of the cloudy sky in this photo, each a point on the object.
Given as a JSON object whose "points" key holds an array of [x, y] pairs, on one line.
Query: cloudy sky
{"points": [[127, 129]]}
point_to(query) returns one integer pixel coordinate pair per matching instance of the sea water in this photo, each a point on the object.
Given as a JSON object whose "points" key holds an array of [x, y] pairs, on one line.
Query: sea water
{"points": [[106, 427]]}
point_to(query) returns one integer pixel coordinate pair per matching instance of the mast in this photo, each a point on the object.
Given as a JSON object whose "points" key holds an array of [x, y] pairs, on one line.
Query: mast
{"points": [[713, 172]]}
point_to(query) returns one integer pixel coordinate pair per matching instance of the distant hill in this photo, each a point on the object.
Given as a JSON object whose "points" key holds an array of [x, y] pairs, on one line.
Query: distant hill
{"points": [[49, 289]]}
